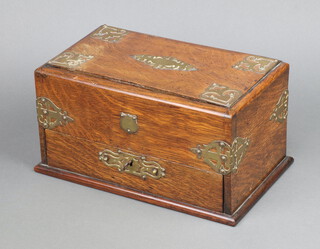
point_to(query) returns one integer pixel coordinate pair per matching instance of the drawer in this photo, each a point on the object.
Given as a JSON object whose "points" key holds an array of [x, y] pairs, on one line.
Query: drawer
{"points": [[164, 129], [181, 183]]}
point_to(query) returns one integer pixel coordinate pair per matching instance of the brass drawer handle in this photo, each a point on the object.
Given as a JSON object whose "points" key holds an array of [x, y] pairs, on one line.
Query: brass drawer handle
{"points": [[132, 164]]}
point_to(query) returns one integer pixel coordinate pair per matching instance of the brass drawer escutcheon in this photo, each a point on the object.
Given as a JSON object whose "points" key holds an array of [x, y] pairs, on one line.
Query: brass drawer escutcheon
{"points": [[49, 115], [222, 157], [132, 164]]}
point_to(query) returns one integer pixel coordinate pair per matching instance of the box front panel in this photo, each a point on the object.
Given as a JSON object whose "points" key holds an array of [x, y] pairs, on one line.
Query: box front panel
{"points": [[178, 182], [134, 122]]}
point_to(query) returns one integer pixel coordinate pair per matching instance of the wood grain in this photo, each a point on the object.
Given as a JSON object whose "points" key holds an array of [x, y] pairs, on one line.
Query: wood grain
{"points": [[165, 131], [230, 220], [114, 61], [267, 143], [182, 183], [42, 135], [172, 119]]}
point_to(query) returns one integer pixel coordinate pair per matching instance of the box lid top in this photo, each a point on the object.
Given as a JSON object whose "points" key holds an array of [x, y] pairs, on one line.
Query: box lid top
{"points": [[196, 72]]}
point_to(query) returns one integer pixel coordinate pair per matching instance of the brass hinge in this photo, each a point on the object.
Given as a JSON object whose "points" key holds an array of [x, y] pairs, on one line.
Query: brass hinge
{"points": [[132, 164], [280, 111], [50, 115], [222, 157]]}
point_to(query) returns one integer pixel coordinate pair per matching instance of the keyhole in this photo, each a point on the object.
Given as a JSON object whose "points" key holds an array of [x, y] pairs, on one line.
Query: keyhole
{"points": [[128, 164]]}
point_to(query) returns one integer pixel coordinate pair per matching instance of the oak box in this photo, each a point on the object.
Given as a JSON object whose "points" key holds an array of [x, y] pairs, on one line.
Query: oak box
{"points": [[197, 129]]}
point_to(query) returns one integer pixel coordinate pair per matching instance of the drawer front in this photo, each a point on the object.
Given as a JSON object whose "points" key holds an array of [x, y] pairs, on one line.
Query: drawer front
{"points": [[178, 182], [147, 125]]}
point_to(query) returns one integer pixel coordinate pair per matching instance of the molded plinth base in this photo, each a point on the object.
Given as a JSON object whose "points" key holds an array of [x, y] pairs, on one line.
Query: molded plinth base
{"points": [[231, 220]]}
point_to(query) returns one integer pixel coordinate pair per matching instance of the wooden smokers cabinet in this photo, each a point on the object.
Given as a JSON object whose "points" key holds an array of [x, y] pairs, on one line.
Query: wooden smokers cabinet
{"points": [[192, 128]]}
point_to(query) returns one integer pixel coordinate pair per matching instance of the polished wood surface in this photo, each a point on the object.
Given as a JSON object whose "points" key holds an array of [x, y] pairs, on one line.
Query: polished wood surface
{"points": [[258, 88], [181, 182], [172, 119], [267, 143], [230, 220], [165, 130], [42, 135], [114, 61]]}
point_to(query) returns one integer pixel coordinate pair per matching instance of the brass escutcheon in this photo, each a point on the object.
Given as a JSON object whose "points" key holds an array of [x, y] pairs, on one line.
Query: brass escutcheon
{"points": [[129, 122], [132, 164]]}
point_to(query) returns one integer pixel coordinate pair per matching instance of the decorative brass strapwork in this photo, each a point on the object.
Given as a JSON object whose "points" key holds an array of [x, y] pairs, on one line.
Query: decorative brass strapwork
{"points": [[129, 122], [280, 112], [132, 164], [70, 59], [256, 64], [221, 95], [222, 157], [164, 62], [49, 115], [109, 34]]}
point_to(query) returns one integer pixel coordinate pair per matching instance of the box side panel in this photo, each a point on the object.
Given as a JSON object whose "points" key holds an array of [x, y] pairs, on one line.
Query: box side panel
{"points": [[181, 183], [39, 79], [267, 143], [165, 129]]}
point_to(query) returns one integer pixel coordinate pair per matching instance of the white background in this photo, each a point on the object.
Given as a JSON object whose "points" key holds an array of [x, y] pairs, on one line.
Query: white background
{"points": [[37, 211]]}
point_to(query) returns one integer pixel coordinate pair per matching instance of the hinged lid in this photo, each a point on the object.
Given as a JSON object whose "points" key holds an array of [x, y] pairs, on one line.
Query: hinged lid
{"points": [[199, 73]]}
